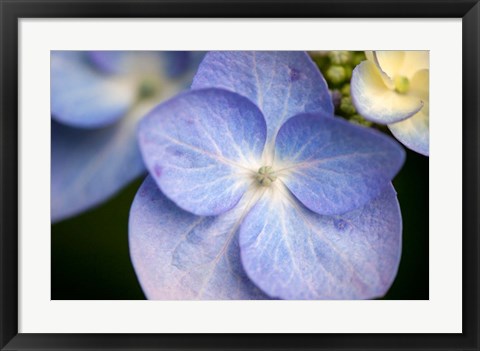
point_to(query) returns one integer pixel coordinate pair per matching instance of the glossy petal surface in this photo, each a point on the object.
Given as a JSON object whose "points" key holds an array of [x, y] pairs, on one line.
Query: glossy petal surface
{"points": [[333, 166], [89, 166], [200, 147], [377, 102], [281, 83], [180, 256], [83, 97], [293, 253]]}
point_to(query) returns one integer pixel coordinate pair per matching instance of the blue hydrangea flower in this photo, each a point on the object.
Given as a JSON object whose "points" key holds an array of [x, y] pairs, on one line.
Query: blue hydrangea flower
{"points": [[257, 191], [96, 100], [392, 88]]}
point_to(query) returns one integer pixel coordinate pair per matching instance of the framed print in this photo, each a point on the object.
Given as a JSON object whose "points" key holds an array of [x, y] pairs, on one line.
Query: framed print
{"points": [[218, 175]]}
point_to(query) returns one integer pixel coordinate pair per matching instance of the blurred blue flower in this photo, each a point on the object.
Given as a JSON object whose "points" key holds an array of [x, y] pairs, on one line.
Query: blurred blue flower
{"points": [[257, 191], [97, 99]]}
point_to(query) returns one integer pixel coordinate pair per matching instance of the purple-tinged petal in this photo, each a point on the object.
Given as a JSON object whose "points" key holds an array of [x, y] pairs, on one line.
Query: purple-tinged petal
{"points": [[180, 62], [203, 147], [180, 256], [414, 131], [281, 83], [89, 166], [377, 102], [83, 97], [293, 253], [333, 166]]}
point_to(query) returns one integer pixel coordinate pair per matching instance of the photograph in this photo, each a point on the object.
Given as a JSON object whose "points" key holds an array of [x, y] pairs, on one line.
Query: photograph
{"points": [[239, 175]]}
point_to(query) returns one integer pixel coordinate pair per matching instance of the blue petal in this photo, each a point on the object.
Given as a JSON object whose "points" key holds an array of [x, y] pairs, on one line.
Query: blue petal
{"points": [[293, 253], [180, 62], [333, 166], [177, 255], [281, 83], [202, 147], [84, 97], [89, 166]]}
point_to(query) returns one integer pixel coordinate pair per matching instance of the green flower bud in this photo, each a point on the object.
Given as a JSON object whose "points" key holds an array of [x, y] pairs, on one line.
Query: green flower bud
{"points": [[346, 106], [340, 57], [345, 89], [320, 58], [348, 71], [358, 56], [358, 119], [336, 75]]}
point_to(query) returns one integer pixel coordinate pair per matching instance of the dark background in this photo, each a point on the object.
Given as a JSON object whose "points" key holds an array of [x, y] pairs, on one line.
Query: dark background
{"points": [[91, 261]]}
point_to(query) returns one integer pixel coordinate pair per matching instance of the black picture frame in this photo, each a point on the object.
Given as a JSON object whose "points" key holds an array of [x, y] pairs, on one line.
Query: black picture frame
{"points": [[12, 11]]}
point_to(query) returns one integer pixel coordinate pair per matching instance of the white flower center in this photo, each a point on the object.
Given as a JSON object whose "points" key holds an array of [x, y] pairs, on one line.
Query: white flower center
{"points": [[265, 176], [148, 87]]}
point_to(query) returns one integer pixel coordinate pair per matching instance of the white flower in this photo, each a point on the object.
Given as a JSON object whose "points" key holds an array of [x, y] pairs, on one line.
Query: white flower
{"points": [[392, 88]]}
